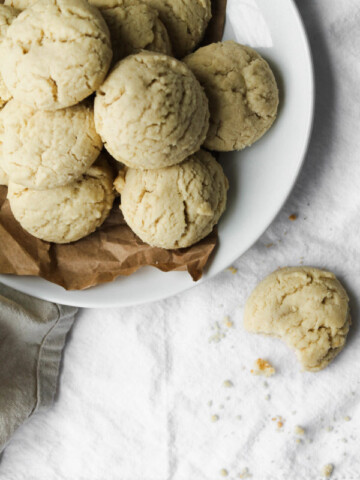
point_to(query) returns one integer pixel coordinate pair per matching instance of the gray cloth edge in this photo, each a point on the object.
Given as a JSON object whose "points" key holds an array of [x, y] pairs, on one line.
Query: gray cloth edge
{"points": [[50, 356], [34, 319]]}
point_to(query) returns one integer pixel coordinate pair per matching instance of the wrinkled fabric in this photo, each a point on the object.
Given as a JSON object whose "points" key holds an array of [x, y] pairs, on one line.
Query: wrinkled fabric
{"points": [[32, 336]]}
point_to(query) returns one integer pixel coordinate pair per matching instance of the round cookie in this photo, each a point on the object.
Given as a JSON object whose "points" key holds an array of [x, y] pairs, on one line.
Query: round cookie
{"points": [[7, 16], [56, 53], [307, 308], [65, 214], [151, 112], [242, 92], [177, 206], [185, 20], [47, 149], [133, 26]]}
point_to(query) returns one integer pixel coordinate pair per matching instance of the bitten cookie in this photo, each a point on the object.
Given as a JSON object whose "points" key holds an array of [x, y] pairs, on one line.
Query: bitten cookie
{"points": [[307, 308], [65, 214], [7, 16], [185, 20], [174, 207], [242, 91], [43, 150], [151, 112], [56, 53], [133, 26]]}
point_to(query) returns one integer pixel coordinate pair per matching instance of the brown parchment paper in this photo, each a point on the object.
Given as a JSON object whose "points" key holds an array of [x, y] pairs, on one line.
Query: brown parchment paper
{"points": [[112, 250]]}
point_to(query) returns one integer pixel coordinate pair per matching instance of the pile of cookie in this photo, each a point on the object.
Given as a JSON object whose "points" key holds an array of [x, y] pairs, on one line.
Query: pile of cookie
{"points": [[157, 116]]}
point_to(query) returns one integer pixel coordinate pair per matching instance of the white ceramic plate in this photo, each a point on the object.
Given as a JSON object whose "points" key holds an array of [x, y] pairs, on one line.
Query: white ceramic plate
{"points": [[261, 177]]}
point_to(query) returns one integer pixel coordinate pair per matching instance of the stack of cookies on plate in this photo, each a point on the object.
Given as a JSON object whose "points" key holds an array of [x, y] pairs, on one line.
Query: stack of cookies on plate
{"points": [[154, 114]]}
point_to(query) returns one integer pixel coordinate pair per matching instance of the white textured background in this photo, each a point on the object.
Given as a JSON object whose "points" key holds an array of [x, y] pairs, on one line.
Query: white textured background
{"points": [[136, 382]]}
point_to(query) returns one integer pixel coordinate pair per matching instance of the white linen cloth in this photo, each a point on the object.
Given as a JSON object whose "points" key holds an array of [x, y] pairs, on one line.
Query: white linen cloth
{"points": [[137, 382]]}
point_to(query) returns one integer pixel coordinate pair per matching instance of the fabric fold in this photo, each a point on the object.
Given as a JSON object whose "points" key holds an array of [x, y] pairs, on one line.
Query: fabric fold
{"points": [[32, 338]]}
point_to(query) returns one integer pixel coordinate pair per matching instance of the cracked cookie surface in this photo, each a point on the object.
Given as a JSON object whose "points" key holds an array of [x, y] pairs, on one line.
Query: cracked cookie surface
{"points": [[56, 53], [307, 308], [242, 92], [177, 206], [185, 20], [133, 26], [151, 112], [20, 4], [7, 16], [65, 214], [42, 149]]}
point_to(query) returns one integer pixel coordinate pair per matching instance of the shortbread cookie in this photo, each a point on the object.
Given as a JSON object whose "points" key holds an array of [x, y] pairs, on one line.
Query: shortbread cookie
{"points": [[185, 20], [151, 112], [7, 16], [65, 214], [43, 150], [307, 308], [177, 206], [56, 53], [242, 91], [133, 26]]}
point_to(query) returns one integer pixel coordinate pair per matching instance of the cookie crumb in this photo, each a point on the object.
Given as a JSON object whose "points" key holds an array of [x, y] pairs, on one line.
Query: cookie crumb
{"points": [[279, 422], [215, 418], [218, 335], [228, 323], [293, 217], [228, 384], [245, 473], [347, 418], [298, 440], [224, 472], [269, 245], [233, 270], [327, 470], [262, 367], [299, 430]]}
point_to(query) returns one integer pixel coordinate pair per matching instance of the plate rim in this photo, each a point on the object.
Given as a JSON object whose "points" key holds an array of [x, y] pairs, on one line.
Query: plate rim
{"points": [[11, 280]]}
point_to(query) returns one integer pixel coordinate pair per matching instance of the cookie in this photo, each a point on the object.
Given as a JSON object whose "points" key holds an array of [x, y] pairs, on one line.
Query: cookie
{"points": [[177, 206], [151, 112], [133, 26], [56, 53], [307, 308], [185, 20], [47, 149], [242, 92], [65, 214], [7, 16]]}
